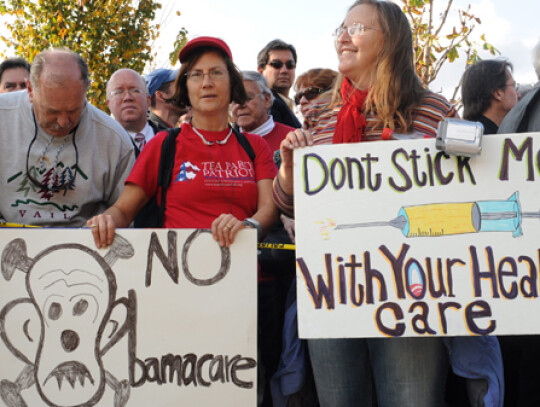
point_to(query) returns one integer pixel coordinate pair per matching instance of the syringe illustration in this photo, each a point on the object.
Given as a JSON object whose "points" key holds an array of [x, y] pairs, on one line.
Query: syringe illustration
{"points": [[440, 219]]}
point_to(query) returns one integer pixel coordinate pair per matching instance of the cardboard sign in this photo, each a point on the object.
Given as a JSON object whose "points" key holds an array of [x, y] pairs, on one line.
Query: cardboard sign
{"points": [[161, 318], [398, 239]]}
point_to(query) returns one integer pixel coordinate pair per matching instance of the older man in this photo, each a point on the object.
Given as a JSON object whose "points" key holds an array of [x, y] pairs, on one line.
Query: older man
{"points": [[128, 100], [521, 353], [254, 115], [160, 85], [525, 116], [277, 63], [14, 72], [61, 160]]}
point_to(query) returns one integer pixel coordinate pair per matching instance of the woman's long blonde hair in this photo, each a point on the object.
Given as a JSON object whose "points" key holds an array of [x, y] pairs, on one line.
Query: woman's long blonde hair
{"points": [[397, 89]]}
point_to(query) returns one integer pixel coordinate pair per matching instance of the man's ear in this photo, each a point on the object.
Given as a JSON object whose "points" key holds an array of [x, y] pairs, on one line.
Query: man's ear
{"points": [[267, 101], [30, 90], [498, 94], [260, 70], [160, 95]]}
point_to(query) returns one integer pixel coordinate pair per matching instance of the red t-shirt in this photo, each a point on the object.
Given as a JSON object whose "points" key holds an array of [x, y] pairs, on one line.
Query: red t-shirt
{"points": [[207, 180], [278, 133]]}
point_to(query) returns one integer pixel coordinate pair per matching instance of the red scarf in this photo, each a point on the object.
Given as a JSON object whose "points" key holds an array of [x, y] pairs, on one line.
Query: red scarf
{"points": [[351, 121]]}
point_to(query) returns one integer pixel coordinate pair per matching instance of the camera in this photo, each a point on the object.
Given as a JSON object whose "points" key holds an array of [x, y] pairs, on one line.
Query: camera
{"points": [[460, 137]]}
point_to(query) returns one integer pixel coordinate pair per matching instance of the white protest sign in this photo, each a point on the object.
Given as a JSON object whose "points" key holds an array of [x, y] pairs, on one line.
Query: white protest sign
{"points": [[161, 318], [398, 239]]}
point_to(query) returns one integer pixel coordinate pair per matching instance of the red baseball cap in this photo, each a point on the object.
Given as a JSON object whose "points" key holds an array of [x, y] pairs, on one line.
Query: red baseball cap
{"points": [[203, 42]]}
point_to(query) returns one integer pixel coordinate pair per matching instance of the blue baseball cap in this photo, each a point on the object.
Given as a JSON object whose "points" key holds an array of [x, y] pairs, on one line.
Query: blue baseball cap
{"points": [[156, 78]]}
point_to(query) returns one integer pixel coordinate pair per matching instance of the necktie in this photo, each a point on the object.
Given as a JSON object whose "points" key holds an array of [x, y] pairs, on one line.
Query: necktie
{"points": [[140, 140]]}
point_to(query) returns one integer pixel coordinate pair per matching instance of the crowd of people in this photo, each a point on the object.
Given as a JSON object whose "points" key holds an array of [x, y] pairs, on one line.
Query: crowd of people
{"points": [[209, 146]]}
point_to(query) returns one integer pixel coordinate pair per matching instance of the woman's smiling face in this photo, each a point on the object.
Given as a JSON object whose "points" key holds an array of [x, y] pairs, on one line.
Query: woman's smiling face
{"points": [[357, 54]]}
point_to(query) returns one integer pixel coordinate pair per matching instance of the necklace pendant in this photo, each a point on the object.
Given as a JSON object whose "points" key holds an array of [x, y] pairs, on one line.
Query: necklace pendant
{"points": [[224, 141], [211, 143]]}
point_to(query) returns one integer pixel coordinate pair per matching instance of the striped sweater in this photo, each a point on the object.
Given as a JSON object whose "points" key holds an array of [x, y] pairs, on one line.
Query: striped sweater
{"points": [[427, 117], [434, 109]]}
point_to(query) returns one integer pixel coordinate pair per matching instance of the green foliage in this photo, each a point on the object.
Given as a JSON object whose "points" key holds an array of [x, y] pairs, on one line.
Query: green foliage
{"points": [[432, 48], [108, 34], [179, 43]]}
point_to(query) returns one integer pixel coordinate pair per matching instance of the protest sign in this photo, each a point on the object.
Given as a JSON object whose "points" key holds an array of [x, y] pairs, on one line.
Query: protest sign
{"points": [[398, 239], [160, 318]]}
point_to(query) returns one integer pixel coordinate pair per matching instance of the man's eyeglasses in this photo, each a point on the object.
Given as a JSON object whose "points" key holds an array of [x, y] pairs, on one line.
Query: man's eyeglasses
{"points": [[513, 84], [353, 30], [251, 96], [134, 92], [198, 76], [309, 93], [277, 64]]}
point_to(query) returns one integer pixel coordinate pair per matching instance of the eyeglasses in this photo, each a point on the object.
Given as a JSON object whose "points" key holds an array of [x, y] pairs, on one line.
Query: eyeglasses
{"points": [[134, 92], [310, 94], [251, 96], [198, 76], [277, 64], [353, 30], [514, 85]]}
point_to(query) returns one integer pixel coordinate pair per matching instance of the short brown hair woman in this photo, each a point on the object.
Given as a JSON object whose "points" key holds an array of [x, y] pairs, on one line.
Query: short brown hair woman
{"points": [[215, 184]]}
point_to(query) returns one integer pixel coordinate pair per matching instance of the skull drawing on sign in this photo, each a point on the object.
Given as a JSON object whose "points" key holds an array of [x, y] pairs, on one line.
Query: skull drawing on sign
{"points": [[72, 296]]}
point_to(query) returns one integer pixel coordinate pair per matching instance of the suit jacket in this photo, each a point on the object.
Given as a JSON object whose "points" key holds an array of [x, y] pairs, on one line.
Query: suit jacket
{"points": [[282, 114]]}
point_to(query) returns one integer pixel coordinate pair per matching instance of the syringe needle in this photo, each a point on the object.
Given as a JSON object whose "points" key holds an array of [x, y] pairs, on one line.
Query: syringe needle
{"points": [[362, 225], [398, 222], [531, 215]]}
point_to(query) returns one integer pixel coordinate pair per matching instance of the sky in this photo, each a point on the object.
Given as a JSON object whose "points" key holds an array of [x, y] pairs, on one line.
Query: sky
{"points": [[247, 25]]}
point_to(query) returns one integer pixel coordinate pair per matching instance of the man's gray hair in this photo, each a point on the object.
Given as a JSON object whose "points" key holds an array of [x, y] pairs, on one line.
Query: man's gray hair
{"points": [[139, 76], [536, 59], [40, 62], [260, 81]]}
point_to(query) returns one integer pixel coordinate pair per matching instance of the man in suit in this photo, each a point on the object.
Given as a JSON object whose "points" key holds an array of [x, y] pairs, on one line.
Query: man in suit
{"points": [[128, 100], [277, 63]]}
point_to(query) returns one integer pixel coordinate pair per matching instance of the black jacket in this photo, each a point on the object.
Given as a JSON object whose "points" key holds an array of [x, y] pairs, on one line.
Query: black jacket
{"points": [[282, 114]]}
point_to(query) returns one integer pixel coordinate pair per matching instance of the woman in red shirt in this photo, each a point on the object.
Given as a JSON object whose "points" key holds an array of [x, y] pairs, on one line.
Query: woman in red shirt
{"points": [[215, 184]]}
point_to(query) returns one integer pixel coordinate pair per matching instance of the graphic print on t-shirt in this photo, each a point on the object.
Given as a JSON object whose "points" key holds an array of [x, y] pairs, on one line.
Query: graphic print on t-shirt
{"points": [[228, 173], [39, 185], [188, 171]]}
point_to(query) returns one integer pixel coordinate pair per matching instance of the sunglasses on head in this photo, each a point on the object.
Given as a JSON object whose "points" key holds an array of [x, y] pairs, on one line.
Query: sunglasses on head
{"points": [[277, 64], [310, 94]]}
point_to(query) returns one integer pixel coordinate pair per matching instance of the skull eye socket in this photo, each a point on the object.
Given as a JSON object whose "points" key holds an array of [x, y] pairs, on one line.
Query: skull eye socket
{"points": [[55, 311], [80, 307]]}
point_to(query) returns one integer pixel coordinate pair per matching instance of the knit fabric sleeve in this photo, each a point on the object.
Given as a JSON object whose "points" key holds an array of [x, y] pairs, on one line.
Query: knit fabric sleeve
{"points": [[283, 201]]}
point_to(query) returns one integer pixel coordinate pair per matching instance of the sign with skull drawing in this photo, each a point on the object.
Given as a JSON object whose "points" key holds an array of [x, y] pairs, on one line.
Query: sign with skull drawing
{"points": [[161, 317]]}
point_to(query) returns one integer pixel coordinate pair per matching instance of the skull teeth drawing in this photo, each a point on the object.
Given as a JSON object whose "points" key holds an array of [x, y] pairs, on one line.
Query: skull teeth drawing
{"points": [[72, 372]]}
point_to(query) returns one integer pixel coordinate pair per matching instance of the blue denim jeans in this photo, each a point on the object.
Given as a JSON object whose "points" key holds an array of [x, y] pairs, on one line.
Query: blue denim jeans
{"points": [[405, 372]]}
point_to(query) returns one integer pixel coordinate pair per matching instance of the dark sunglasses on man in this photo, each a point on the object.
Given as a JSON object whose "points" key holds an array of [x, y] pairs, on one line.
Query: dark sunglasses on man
{"points": [[277, 64], [310, 94]]}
